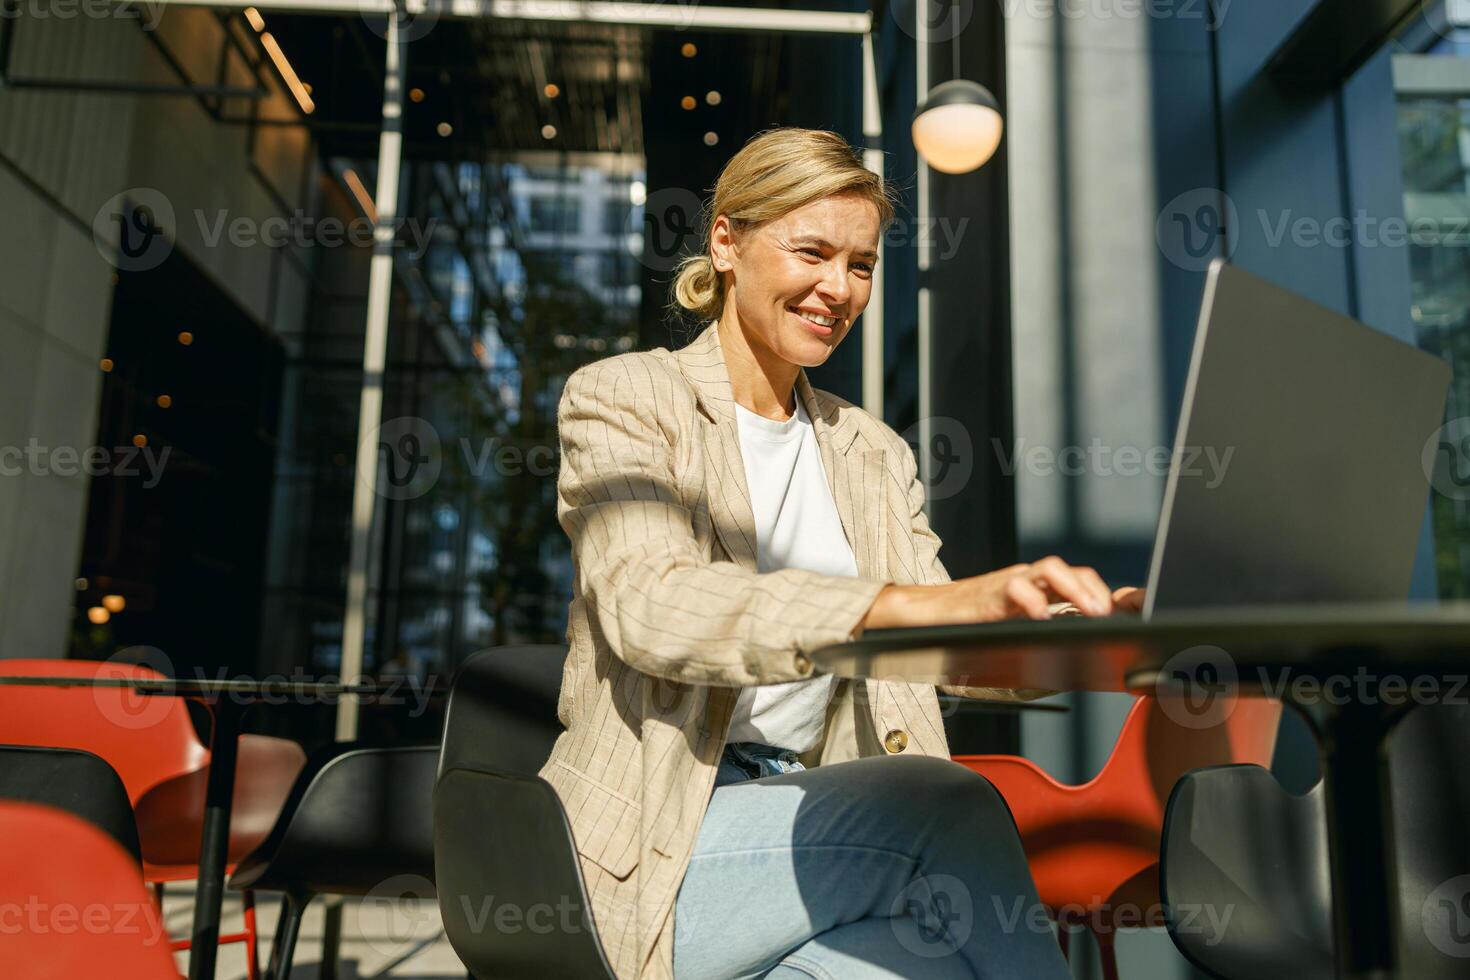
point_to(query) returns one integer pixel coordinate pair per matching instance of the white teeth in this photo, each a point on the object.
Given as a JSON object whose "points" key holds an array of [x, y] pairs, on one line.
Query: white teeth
{"points": [[822, 321]]}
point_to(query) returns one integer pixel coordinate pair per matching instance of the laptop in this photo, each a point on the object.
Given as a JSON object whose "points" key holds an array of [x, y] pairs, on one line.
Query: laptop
{"points": [[1317, 487]]}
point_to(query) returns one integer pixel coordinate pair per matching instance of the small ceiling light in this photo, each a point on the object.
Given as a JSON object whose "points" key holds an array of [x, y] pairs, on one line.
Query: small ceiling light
{"points": [[548, 132], [688, 102], [637, 193], [114, 603], [165, 401], [711, 138], [712, 98], [140, 440], [689, 50], [186, 338], [97, 615], [444, 129], [552, 90], [415, 95], [105, 364]]}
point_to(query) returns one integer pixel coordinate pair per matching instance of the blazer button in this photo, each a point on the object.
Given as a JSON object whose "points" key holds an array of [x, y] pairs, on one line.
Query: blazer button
{"points": [[803, 664], [896, 741]]}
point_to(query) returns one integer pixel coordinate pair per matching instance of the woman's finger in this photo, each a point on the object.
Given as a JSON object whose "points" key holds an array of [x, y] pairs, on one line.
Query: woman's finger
{"points": [[1099, 588], [1026, 596], [1064, 581], [1129, 598]]}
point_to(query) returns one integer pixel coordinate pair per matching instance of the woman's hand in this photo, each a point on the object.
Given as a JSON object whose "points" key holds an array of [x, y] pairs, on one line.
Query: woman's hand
{"points": [[1020, 591]]}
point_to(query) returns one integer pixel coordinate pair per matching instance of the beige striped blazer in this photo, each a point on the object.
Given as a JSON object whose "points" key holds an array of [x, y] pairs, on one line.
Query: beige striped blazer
{"points": [[669, 618]]}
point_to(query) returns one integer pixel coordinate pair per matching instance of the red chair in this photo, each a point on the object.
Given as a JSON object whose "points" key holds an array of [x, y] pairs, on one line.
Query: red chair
{"points": [[152, 743], [1094, 848], [82, 910]]}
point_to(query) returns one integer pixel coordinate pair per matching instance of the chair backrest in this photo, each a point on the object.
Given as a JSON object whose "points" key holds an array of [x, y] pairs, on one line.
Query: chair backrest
{"points": [[357, 820], [1235, 838], [1161, 741], [146, 739], [1243, 876], [511, 893], [502, 708], [1429, 779], [77, 782], [95, 914]]}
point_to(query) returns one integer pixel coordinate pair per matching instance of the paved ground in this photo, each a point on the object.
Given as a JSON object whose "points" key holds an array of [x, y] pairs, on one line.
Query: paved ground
{"points": [[399, 938]]}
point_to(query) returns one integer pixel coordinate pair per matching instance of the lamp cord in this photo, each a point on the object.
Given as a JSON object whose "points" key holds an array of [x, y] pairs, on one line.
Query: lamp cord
{"points": [[955, 43]]}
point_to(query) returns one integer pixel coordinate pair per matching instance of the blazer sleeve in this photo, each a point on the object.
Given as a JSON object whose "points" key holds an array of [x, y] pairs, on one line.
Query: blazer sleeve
{"points": [[932, 572], [663, 607]]}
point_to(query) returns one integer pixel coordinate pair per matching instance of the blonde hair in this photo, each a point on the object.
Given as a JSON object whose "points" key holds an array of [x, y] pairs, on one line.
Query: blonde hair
{"points": [[775, 173]]}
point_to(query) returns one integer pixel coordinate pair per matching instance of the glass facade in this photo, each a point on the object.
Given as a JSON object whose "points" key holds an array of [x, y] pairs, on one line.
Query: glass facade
{"points": [[1434, 141]]}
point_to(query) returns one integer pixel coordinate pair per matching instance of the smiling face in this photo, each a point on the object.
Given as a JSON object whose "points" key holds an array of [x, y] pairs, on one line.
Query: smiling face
{"points": [[803, 278]]}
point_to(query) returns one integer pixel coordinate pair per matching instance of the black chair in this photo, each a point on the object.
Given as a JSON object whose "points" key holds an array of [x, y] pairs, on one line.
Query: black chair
{"points": [[78, 782], [1235, 839], [501, 836], [357, 819]]}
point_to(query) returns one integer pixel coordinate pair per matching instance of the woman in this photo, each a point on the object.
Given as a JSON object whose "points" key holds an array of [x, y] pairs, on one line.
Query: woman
{"points": [[726, 519]]}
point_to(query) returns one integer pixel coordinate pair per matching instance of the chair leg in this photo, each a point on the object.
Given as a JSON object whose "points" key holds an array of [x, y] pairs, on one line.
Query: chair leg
{"points": [[1108, 954], [252, 937], [293, 907]]}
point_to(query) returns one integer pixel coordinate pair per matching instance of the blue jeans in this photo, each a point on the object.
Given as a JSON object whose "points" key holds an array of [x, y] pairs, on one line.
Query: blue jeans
{"points": [[874, 869]]}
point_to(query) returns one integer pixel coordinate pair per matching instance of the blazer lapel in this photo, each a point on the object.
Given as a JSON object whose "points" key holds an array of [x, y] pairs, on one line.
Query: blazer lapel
{"points": [[855, 477], [724, 468]]}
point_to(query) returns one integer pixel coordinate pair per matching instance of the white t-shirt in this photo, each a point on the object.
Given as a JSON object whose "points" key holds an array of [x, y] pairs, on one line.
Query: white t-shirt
{"points": [[796, 526]]}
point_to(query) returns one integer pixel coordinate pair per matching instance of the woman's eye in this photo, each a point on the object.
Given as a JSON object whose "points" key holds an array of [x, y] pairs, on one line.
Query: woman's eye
{"points": [[864, 268], [811, 251]]}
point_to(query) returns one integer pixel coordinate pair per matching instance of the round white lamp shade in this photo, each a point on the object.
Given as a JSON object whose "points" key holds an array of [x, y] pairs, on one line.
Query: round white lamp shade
{"points": [[958, 127]]}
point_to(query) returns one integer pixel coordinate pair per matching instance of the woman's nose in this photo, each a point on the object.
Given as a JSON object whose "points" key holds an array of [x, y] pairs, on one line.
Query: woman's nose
{"points": [[834, 286]]}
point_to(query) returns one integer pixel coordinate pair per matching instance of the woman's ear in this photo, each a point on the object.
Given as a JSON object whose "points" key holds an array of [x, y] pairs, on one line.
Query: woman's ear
{"points": [[722, 244]]}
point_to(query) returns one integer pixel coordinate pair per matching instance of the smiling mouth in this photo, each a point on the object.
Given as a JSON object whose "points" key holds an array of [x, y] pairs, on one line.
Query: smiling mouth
{"points": [[822, 321]]}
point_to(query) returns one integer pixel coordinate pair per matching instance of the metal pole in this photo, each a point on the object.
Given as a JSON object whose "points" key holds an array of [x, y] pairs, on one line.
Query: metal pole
{"points": [[873, 160], [374, 357], [926, 405]]}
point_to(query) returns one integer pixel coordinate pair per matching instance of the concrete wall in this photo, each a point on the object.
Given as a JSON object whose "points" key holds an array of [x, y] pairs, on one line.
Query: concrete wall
{"points": [[63, 156]]}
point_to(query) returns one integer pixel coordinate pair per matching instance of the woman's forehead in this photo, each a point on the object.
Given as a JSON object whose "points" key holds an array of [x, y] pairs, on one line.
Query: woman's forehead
{"points": [[841, 221]]}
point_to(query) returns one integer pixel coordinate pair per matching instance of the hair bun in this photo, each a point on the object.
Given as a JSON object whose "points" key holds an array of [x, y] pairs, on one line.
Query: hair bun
{"points": [[697, 286]]}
